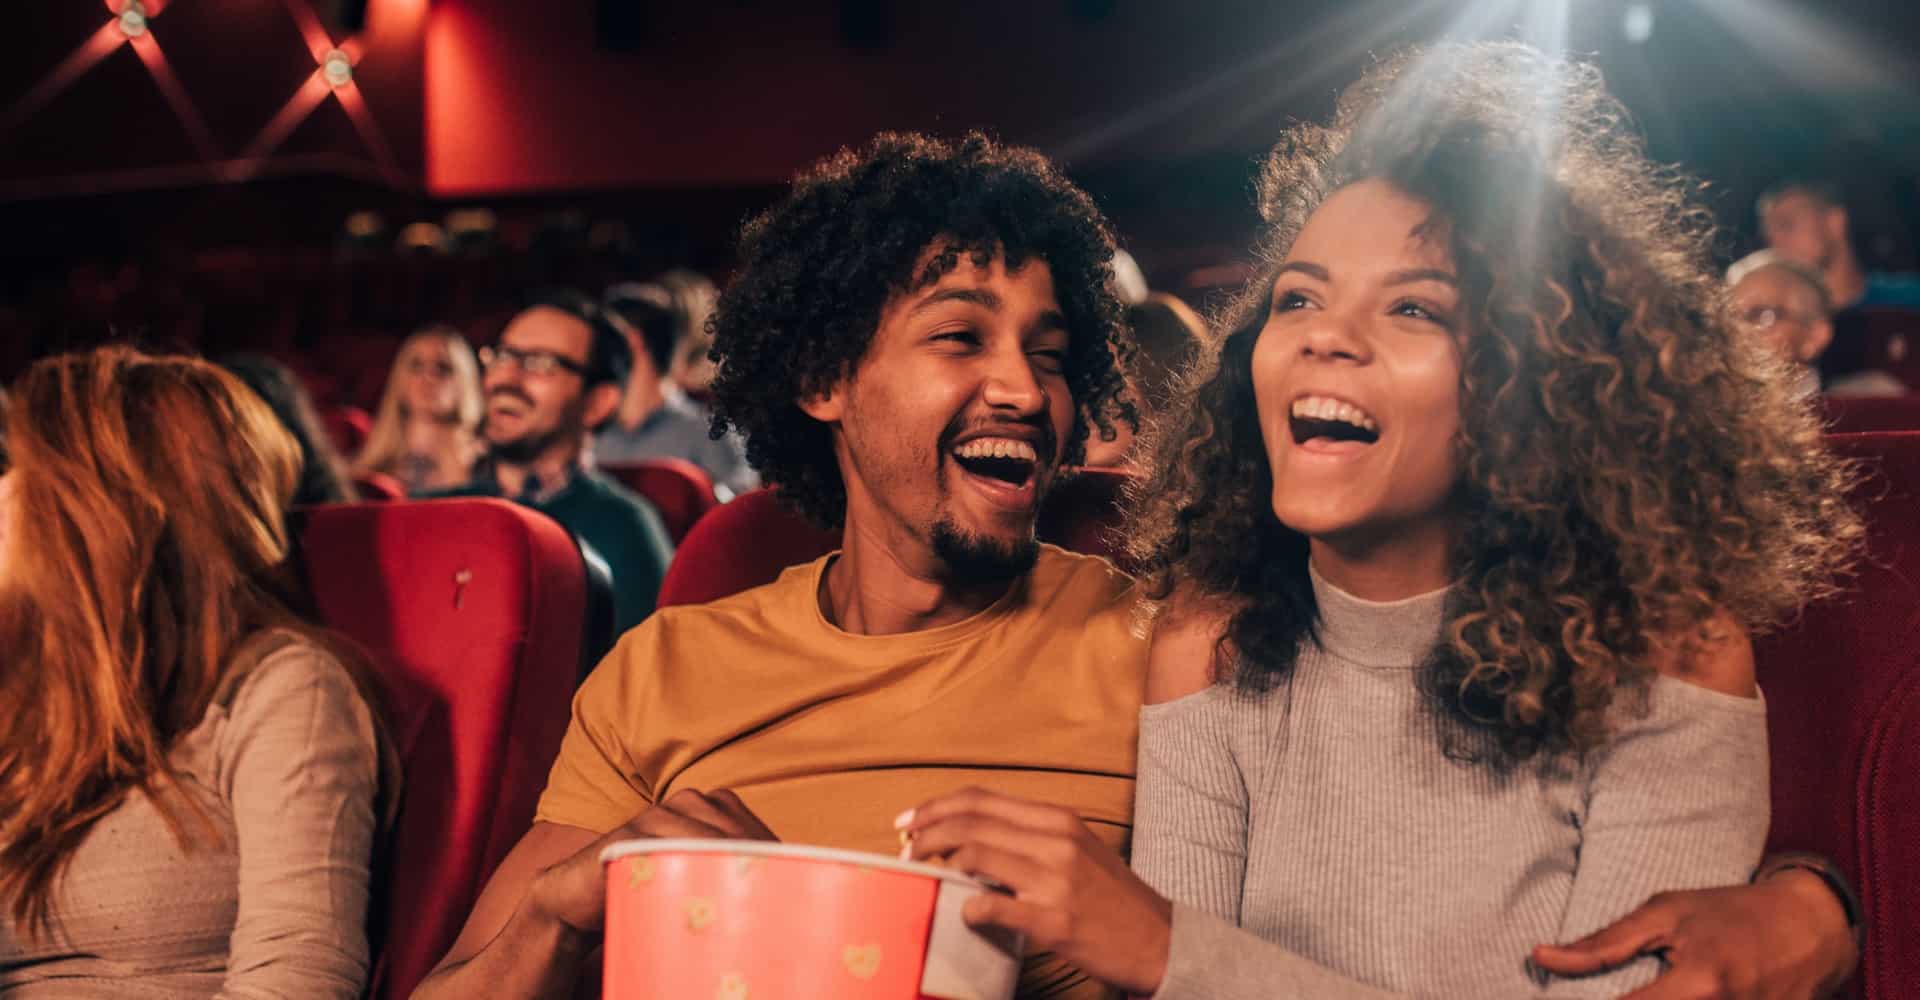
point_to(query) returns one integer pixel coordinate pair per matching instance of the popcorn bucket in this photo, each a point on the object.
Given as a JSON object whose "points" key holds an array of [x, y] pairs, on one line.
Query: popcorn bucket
{"points": [[745, 920]]}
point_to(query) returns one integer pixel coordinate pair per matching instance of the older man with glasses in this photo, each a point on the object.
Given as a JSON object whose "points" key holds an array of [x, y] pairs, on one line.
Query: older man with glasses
{"points": [[556, 376], [1786, 306]]}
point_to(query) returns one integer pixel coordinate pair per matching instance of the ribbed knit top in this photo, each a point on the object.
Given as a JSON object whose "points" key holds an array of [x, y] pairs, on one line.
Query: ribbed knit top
{"points": [[1317, 840]]}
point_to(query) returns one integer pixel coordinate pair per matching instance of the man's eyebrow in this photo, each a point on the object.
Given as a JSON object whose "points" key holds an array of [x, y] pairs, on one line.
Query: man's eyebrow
{"points": [[976, 296]]}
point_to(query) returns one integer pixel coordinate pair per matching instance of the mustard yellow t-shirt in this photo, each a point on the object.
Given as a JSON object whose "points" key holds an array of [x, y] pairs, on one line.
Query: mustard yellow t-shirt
{"points": [[827, 735]]}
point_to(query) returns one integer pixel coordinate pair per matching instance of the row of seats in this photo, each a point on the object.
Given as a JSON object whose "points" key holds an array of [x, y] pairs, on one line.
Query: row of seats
{"points": [[478, 612]]}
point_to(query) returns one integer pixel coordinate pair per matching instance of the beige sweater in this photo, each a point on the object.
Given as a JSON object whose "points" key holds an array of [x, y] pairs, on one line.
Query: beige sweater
{"points": [[1317, 842], [285, 762]]}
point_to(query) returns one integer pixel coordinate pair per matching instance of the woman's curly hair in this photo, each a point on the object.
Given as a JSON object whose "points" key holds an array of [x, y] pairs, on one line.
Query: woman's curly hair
{"points": [[817, 269], [1630, 469]]}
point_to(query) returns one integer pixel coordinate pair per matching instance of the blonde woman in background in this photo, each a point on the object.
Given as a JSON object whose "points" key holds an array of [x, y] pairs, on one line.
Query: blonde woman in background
{"points": [[190, 806], [426, 434]]}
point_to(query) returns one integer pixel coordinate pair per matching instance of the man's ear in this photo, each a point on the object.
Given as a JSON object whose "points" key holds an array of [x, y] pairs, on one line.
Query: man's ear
{"points": [[602, 401], [828, 405]]}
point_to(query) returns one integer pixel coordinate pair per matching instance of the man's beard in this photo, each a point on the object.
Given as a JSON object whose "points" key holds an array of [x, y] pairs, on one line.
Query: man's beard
{"points": [[972, 559], [525, 448]]}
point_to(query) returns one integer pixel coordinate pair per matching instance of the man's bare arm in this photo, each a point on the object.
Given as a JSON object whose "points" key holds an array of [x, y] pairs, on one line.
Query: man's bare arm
{"points": [[539, 917], [512, 945]]}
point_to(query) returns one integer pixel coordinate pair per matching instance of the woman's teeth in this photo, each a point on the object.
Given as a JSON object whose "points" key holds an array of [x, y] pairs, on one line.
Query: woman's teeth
{"points": [[1325, 408]]}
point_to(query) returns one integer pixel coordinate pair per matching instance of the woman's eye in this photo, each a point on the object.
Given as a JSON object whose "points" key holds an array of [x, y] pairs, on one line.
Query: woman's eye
{"points": [[1415, 310], [1289, 301]]}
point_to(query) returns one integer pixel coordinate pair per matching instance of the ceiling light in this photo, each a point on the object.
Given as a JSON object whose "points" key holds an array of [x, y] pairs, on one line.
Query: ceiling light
{"points": [[133, 19], [337, 68]]}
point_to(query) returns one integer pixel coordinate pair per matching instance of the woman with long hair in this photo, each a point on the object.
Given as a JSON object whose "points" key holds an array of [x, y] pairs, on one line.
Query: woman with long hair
{"points": [[1458, 544], [427, 432], [192, 778]]}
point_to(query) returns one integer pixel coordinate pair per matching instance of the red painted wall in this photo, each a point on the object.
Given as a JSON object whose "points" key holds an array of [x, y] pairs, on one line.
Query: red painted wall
{"points": [[519, 98]]}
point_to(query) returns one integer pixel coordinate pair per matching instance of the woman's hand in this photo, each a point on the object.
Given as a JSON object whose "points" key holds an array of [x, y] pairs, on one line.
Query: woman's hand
{"points": [[1072, 894]]}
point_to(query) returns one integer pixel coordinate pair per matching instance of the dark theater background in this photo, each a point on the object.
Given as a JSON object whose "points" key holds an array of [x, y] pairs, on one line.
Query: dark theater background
{"points": [[216, 174]]}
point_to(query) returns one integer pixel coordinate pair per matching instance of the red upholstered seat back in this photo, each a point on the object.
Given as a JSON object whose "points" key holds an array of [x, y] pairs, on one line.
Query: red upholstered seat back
{"points": [[1843, 707], [1863, 414], [473, 611], [347, 427], [679, 489], [747, 542]]}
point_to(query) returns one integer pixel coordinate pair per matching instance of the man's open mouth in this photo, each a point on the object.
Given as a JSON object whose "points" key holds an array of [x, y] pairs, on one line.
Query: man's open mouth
{"points": [[1010, 461], [1335, 420]]}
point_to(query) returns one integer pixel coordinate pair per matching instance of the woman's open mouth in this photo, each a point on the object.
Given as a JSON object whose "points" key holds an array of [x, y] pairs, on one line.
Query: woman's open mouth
{"points": [[1323, 420]]}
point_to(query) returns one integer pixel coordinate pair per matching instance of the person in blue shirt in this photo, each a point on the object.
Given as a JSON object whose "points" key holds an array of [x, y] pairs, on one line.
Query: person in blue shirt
{"points": [[555, 376], [1806, 222], [656, 418]]}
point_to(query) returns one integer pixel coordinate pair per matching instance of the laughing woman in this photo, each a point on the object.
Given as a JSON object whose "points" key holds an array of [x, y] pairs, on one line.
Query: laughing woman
{"points": [[1458, 545]]}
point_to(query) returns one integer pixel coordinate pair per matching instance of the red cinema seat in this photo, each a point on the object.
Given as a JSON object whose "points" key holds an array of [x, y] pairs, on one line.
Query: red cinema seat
{"points": [[747, 542], [679, 489], [473, 611], [1864, 414], [347, 427], [1843, 709]]}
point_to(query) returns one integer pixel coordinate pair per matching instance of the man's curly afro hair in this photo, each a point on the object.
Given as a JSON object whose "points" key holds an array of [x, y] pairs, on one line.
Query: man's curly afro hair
{"points": [[817, 269]]}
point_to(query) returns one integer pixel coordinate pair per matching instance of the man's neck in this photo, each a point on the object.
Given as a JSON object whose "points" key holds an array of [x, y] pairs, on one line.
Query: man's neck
{"points": [[645, 395], [552, 467], [1846, 281], [882, 585]]}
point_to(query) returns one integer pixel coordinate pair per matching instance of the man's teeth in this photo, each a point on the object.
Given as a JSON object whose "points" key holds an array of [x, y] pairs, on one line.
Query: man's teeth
{"points": [[997, 448], [1325, 408]]}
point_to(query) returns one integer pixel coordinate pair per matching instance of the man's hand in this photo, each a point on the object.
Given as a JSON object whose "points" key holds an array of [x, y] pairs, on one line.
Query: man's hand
{"points": [[574, 891], [1782, 938], [1072, 895]]}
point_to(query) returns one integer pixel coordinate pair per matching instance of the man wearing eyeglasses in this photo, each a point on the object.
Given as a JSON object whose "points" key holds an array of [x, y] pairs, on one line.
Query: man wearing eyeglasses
{"points": [[555, 377], [1786, 306]]}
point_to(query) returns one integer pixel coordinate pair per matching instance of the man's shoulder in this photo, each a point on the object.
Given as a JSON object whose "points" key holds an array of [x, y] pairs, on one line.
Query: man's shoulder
{"points": [[462, 491], [1892, 289], [775, 612], [1074, 586]]}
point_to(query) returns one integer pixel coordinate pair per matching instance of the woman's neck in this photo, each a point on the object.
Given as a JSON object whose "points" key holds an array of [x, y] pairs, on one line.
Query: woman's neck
{"points": [[427, 434], [1387, 565]]}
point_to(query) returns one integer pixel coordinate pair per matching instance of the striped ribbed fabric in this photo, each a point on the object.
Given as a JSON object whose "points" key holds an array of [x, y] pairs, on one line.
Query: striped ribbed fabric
{"points": [[1318, 841]]}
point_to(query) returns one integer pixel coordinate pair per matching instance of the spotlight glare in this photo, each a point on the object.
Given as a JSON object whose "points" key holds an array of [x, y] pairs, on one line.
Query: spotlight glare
{"points": [[1637, 24], [337, 68], [133, 19]]}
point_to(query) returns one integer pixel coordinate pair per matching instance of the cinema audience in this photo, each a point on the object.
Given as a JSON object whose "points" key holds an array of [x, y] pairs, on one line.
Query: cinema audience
{"points": [[656, 418], [426, 433], [323, 473], [190, 805], [557, 374], [1453, 660], [1784, 305]]}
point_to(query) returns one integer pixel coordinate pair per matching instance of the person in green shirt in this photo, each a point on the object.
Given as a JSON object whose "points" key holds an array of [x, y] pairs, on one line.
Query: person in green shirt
{"points": [[556, 376]]}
